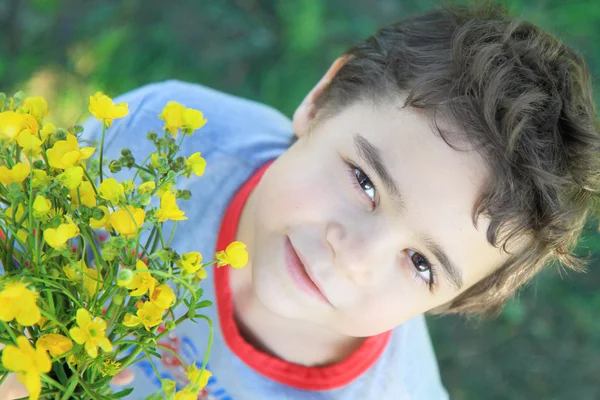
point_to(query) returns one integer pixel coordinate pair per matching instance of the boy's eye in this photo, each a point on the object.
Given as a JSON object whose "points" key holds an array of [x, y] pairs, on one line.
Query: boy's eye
{"points": [[423, 268], [363, 183]]}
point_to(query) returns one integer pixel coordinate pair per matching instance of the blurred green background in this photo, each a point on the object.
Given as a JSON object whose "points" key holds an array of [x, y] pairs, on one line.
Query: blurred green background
{"points": [[546, 345]]}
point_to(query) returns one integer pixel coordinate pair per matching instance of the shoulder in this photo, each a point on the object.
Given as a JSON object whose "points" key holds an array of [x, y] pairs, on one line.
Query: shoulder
{"points": [[236, 126]]}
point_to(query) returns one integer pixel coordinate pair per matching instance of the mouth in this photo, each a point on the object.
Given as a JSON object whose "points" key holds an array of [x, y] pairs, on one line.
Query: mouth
{"points": [[300, 274]]}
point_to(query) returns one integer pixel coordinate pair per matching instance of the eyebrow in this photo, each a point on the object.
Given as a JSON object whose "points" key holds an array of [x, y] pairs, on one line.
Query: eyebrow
{"points": [[371, 155]]}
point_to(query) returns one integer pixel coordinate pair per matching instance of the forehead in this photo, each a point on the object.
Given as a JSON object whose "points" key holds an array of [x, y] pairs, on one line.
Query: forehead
{"points": [[439, 184]]}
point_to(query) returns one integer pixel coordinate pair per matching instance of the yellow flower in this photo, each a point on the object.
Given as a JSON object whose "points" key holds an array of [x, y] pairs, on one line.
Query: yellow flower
{"points": [[235, 255], [103, 108], [18, 302], [168, 209], [192, 120], [47, 130], [28, 363], [92, 280], [163, 297], [71, 177], [11, 124], [91, 332], [186, 394], [66, 153], [148, 314], [55, 343], [146, 187], [154, 159], [41, 206], [86, 193], [122, 221], [142, 282], [197, 377], [17, 174], [201, 274], [30, 144], [195, 164], [172, 114], [190, 262], [73, 274], [40, 177], [103, 223], [111, 190], [36, 106], [29, 123], [57, 237]]}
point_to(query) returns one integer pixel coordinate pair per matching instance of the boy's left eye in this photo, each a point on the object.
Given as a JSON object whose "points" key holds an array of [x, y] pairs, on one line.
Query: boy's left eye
{"points": [[362, 182]]}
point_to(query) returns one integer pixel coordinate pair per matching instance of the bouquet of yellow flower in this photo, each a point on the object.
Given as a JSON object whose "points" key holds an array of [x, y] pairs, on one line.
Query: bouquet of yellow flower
{"points": [[87, 276]]}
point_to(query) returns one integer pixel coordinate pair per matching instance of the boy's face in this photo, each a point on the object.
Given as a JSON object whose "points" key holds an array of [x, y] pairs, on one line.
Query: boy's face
{"points": [[363, 241]]}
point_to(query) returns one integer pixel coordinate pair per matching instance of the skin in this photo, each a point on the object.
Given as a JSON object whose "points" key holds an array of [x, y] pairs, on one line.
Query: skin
{"points": [[362, 250]]}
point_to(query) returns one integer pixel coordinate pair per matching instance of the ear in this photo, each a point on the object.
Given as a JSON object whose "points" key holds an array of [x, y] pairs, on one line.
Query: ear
{"points": [[306, 111]]}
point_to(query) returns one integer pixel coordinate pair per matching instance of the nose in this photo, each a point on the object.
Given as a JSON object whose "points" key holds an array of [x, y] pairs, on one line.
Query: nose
{"points": [[356, 254]]}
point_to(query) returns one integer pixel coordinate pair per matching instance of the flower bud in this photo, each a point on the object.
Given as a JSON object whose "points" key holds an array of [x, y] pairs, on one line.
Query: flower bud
{"points": [[151, 135], [38, 164], [124, 276], [118, 298], [118, 241], [125, 152], [145, 199], [114, 166], [185, 194], [97, 213], [170, 325], [60, 134]]}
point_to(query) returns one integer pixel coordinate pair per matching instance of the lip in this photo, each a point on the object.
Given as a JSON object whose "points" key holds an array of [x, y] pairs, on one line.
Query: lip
{"points": [[300, 273]]}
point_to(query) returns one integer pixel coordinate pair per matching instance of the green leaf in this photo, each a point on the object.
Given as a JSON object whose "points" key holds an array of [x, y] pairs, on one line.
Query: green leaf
{"points": [[203, 303], [121, 394]]}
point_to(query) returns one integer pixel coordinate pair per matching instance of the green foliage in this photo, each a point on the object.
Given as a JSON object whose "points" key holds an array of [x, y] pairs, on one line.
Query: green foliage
{"points": [[543, 346]]}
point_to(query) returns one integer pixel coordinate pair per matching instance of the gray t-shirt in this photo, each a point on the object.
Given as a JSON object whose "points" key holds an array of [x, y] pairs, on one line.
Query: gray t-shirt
{"points": [[241, 136]]}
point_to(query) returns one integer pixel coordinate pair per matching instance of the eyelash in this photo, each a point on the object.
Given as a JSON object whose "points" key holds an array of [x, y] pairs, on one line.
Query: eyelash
{"points": [[352, 172]]}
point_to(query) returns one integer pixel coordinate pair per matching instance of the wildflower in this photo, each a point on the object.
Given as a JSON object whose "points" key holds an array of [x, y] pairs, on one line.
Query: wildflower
{"points": [[66, 153], [197, 377], [47, 130], [127, 220], [55, 343], [195, 164], [103, 108], [71, 177], [86, 194], [92, 280], [18, 302], [190, 262], [30, 124], [57, 237], [36, 106], [11, 124], [142, 282], [148, 314], [103, 223], [17, 173], [73, 274], [40, 177], [91, 332], [172, 114], [186, 394], [162, 297], [41, 206], [235, 255], [154, 159], [146, 187], [30, 144], [28, 363], [168, 209], [192, 120], [111, 190]]}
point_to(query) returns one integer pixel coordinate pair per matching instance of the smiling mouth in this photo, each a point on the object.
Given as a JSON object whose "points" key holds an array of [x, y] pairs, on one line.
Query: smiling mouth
{"points": [[299, 273]]}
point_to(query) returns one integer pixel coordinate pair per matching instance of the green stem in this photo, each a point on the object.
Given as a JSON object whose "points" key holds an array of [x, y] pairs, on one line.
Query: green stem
{"points": [[102, 150]]}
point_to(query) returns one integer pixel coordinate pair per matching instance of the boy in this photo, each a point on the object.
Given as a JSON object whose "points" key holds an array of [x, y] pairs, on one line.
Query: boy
{"points": [[438, 166]]}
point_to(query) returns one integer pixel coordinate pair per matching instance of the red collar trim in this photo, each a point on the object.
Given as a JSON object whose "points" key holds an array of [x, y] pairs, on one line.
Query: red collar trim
{"points": [[286, 373]]}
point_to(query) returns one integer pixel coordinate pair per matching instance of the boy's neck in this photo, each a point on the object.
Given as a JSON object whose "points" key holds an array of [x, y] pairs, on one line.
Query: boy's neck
{"points": [[295, 341]]}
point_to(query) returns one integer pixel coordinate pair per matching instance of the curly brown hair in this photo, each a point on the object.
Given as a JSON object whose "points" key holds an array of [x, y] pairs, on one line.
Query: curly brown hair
{"points": [[520, 97]]}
